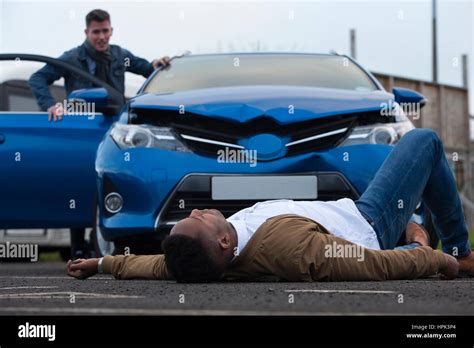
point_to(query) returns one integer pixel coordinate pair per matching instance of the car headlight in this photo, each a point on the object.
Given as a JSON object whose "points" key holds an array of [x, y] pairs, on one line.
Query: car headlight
{"points": [[381, 133], [129, 136]]}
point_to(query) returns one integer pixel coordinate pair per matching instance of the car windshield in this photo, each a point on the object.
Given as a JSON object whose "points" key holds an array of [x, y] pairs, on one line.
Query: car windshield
{"points": [[308, 70]]}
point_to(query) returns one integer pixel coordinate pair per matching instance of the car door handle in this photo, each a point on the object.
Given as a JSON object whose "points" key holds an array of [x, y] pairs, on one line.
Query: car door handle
{"points": [[2, 138]]}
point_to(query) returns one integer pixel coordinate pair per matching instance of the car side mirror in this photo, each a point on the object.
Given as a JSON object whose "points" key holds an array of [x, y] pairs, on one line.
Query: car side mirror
{"points": [[89, 100], [408, 96]]}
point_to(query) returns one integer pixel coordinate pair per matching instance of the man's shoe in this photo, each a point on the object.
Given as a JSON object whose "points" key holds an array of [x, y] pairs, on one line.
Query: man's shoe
{"points": [[416, 233]]}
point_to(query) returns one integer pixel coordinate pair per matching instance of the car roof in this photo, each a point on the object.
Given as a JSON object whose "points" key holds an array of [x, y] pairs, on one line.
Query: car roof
{"points": [[263, 54]]}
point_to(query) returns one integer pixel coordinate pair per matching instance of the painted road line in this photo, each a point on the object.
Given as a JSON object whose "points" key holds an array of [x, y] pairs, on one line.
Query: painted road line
{"points": [[66, 294], [28, 287], [344, 291]]}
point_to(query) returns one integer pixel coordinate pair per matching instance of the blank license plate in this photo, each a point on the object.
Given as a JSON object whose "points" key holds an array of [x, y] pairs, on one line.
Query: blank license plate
{"points": [[264, 187]]}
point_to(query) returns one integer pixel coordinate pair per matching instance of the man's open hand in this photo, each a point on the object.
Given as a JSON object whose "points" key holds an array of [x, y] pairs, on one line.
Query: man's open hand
{"points": [[82, 268]]}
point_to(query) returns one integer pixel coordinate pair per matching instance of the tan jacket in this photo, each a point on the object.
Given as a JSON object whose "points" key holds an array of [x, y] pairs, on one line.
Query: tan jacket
{"points": [[295, 248]]}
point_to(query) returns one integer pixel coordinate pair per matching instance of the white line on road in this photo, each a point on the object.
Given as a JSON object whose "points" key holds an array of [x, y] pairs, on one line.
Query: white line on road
{"points": [[28, 287], [344, 291], [65, 294]]}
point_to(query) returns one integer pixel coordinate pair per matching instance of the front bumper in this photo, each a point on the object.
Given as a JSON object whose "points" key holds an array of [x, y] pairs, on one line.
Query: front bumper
{"points": [[194, 192]]}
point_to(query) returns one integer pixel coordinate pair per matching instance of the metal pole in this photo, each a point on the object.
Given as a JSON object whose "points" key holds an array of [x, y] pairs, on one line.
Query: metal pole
{"points": [[353, 43], [465, 79]]}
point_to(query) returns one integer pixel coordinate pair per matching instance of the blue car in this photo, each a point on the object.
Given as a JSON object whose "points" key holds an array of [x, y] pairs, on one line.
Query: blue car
{"points": [[219, 131]]}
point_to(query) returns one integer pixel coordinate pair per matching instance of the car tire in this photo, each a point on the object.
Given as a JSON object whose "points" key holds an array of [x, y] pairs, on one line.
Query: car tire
{"points": [[100, 246]]}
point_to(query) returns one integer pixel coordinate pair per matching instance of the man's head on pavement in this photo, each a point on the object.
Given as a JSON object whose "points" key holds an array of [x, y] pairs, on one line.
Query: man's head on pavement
{"points": [[200, 247], [98, 29]]}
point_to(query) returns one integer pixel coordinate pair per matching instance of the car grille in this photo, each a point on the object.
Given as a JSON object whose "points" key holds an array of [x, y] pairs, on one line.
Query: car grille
{"points": [[306, 136], [207, 136], [202, 201]]}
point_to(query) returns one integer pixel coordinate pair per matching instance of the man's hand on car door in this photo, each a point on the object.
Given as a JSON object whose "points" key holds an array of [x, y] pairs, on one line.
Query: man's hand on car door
{"points": [[55, 112]]}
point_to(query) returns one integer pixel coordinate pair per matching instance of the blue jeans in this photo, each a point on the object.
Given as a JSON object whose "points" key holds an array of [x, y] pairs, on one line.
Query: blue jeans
{"points": [[416, 170]]}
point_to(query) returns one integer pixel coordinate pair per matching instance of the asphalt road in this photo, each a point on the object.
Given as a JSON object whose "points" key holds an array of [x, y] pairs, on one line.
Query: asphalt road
{"points": [[44, 288]]}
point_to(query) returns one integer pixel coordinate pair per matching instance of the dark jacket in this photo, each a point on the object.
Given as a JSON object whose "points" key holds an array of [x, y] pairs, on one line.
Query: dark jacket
{"points": [[293, 247], [123, 60]]}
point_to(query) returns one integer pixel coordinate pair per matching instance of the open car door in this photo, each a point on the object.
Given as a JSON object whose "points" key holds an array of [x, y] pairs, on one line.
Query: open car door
{"points": [[47, 175]]}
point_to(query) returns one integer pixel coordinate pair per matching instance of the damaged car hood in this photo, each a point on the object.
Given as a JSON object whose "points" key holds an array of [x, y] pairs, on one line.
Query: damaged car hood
{"points": [[285, 104]]}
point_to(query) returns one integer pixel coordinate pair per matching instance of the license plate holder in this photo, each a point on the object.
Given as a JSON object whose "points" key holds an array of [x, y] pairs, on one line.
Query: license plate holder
{"points": [[264, 187]]}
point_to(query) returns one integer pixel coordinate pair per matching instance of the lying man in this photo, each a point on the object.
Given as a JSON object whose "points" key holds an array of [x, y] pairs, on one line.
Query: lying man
{"points": [[299, 240]]}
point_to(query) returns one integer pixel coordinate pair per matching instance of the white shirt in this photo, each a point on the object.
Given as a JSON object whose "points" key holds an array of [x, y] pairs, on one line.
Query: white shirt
{"points": [[341, 218]]}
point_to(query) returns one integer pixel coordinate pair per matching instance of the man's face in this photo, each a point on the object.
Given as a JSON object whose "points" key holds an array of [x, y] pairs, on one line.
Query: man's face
{"points": [[205, 224], [98, 34]]}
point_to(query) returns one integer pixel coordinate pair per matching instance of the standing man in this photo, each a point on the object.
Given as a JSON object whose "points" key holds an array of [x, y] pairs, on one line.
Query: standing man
{"points": [[96, 56]]}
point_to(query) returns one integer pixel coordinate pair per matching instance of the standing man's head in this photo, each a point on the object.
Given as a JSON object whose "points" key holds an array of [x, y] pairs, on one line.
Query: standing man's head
{"points": [[98, 29], [200, 247]]}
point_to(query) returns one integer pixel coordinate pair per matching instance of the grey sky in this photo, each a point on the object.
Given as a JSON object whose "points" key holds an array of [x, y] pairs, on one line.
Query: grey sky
{"points": [[393, 37]]}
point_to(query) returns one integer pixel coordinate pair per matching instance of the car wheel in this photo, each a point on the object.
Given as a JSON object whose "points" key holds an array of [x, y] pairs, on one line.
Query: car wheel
{"points": [[101, 246]]}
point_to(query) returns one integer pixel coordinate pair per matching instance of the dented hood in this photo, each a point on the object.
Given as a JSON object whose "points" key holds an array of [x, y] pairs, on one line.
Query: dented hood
{"points": [[285, 104]]}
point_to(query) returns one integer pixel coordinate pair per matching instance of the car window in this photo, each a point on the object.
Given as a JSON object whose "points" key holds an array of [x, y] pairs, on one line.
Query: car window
{"points": [[18, 102], [15, 93], [17, 96], [209, 71]]}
